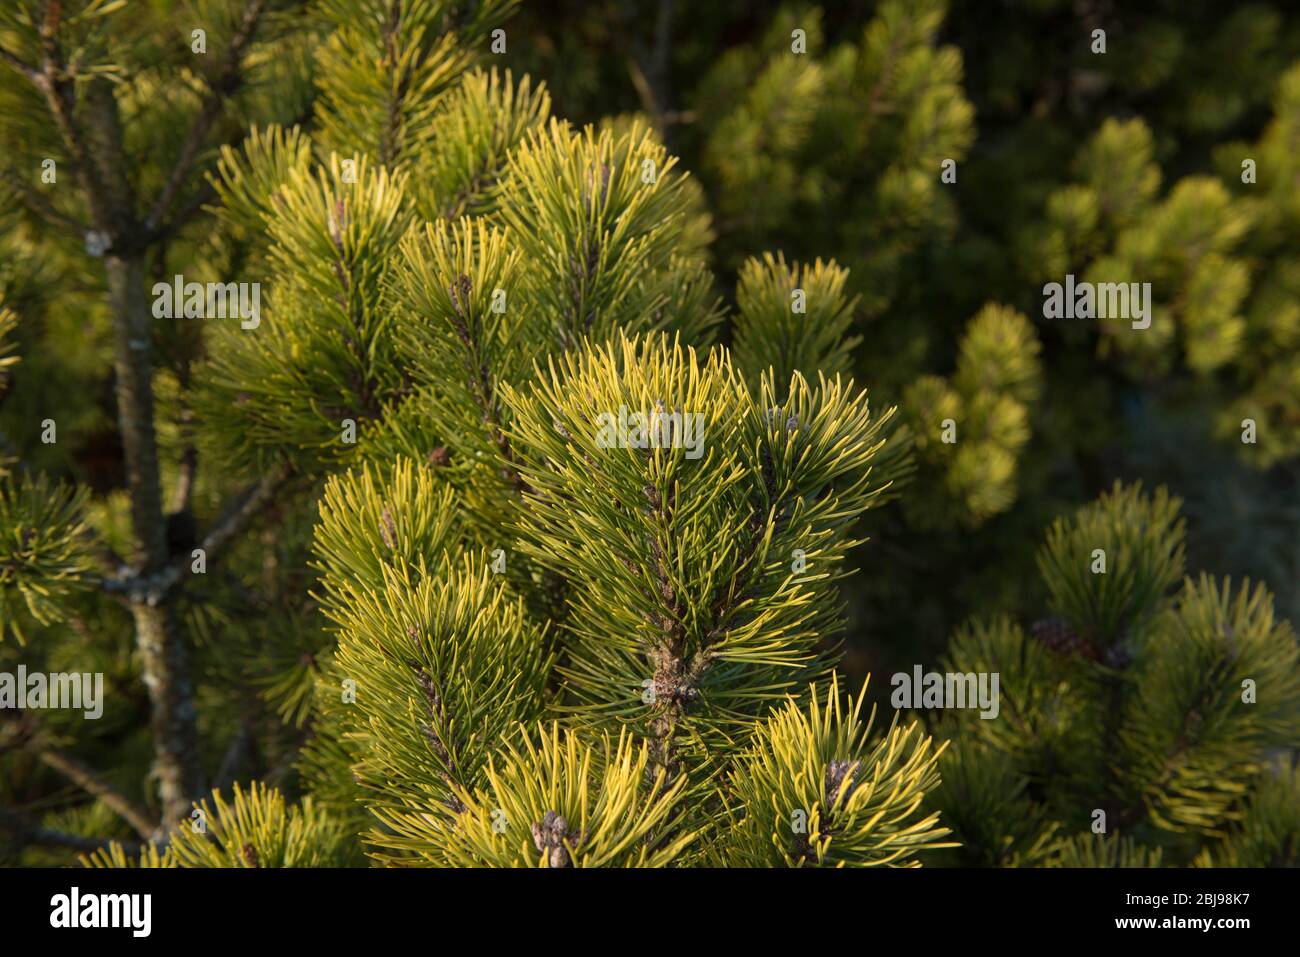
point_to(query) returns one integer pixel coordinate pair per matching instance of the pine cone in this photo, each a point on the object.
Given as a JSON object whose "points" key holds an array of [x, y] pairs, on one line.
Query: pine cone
{"points": [[1058, 635]]}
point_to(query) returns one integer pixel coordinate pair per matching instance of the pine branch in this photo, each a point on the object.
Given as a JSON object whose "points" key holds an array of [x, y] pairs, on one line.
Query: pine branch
{"points": [[393, 116], [52, 80], [649, 69], [29, 832], [228, 79], [18, 64], [86, 778], [74, 139], [204, 196], [72, 768], [207, 194], [483, 387], [239, 512]]}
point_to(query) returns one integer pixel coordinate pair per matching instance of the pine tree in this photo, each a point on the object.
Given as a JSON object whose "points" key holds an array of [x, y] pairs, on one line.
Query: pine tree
{"points": [[579, 569], [1206, 81], [523, 517], [1145, 725]]}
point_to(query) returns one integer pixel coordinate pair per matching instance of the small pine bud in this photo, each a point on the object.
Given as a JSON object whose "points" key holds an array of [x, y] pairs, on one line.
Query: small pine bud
{"points": [[836, 773], [338, 222], [550, 835], [460, 292], [595, 193]]}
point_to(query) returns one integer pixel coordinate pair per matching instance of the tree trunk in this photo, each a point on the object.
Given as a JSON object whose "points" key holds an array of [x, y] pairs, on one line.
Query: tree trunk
{"points": [[163, 652]]}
